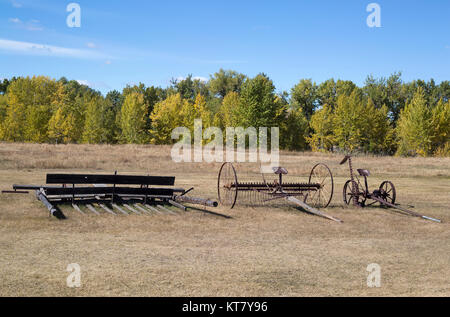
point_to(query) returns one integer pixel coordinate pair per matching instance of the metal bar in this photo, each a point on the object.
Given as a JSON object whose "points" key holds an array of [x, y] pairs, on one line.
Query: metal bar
{"points": [[54, 211], [105, 208], [120, 209], [311, 209], [412, 213], [165, 209], [195, 201], [109, 190], [91, 208], [77, 208], [109, 179], [153, 209], [141, 209], [14, 192], [131, 209], [173, 203]]}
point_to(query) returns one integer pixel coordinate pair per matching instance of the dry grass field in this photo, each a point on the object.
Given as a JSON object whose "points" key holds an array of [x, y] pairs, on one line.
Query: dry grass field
{"points": [[260, 251]]}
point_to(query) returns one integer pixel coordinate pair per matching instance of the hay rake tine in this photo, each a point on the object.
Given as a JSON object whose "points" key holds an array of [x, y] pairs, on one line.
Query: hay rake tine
{"points": [[141, 209], [75, 206], [166, 210], [154, 209], [131, 209], [120, 209], [175, 204], [105, 208], [92, 208]]}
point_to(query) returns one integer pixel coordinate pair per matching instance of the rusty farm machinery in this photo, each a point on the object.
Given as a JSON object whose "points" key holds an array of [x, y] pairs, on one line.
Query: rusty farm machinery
{"points": [[112, 194], [316, 193], [358, 195]]}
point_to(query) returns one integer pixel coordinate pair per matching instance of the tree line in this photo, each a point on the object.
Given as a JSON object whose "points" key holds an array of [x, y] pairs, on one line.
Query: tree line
{"points": [[384, 116]]}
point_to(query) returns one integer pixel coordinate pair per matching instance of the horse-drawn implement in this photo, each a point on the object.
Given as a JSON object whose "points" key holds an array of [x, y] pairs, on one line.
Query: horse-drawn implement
{"points": [[316, 193], [357, 194], [119, 197]]}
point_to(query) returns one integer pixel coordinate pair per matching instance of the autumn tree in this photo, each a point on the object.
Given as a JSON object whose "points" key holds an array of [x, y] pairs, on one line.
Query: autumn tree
{"points": [[414, 127], [94, 125], [321, 124], [133, 119], [440, 121], [166, 117]]}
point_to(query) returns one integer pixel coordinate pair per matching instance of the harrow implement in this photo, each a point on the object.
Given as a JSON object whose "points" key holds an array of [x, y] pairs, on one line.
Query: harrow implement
{"points": [[316, 193], [113, 194]]}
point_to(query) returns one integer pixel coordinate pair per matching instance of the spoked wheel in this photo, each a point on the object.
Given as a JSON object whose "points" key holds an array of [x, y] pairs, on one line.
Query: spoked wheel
{"points": [[387, 191], [321, 198], [348, 194], [227, 185]]}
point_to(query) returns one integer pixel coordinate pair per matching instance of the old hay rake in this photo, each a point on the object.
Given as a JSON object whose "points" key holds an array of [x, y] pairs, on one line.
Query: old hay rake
{"points": [[357, 194], [112, 194], [316, 193]]}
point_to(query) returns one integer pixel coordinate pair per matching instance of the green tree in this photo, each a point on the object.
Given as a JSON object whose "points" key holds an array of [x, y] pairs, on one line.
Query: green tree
{"points": [[321, 124], [56, 127], [414, 127], [166, 117], [226, 115], [440, 121], [258, 106], [294, 130], [94, 125], [348, 121], [189, 87], [225, 81], [304, 96], [133, 119]]}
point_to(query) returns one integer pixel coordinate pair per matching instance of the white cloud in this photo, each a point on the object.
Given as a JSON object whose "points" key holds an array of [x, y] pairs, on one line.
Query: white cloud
{"points": [[32, 25], [181, 78], [16, 4], [93, 85], [108, 62], [48, 50], [90, 45], [15, 20], [203, 79], [83, 82]]}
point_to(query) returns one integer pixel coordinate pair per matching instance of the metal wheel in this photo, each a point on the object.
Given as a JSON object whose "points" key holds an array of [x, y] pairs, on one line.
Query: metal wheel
{"points": [[348, 194], [387, 190], [227, 185], [321, 198]]}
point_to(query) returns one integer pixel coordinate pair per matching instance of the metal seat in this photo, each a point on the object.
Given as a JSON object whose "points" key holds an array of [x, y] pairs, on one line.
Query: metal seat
{"points": [[363, 172], [280, 170]]}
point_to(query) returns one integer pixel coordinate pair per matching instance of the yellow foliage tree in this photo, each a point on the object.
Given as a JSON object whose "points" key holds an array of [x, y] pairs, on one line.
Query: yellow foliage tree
{"points": [[166, 117], [440, 122], [414, 127], [133, 119], [322, 125]]}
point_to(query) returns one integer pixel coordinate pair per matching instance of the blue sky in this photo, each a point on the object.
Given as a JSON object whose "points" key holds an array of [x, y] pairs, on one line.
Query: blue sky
{"points": [[126, 42]]}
